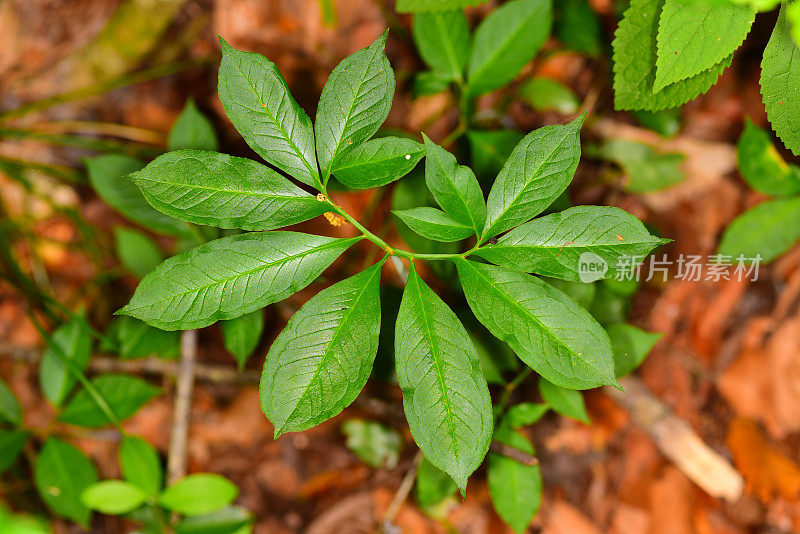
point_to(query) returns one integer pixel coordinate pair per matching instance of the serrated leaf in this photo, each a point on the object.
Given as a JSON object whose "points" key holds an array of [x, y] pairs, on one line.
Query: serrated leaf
{"points": [[454, 187], [61, 473], [631, 345], [140, 464], [524, 414], [507, 39], [647, 170], [445, 396], [635, 54], [564, 244], [515, 488], [199, 494], [695, 35], [768, 229], [241, 335], [320, 362], [230, 277], [113, 497], [544, 94], [564, 401], [375, 444], [124, 394], [578, 27], [378, 162], [762, 166], [490, 150], [354, 103], [73, 341], [136, 251], [548, 330], [434, 6], [228, 520], [442, 40], [258, 103], [780, 78], [10, 410], [192, 130], [136, 339], [224, 191], [434, 224], [433, 484], [539, 169], [11, 444]]}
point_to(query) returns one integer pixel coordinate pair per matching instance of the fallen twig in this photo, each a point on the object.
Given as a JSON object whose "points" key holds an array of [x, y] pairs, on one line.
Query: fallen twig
{"points": [[176, 461]]}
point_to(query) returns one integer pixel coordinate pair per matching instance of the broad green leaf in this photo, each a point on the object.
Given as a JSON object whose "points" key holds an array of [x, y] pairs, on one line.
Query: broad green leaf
{"points": [[137, 339], [140, 464], [375, 444], [192, 131], [666, 122], [434, 6], [490, 150], [583, 243], [124, 394], [434, 224], [762, 166], [780, 78], [768, 229], [228, 520], [635, 53], [21, 523], [230, 277], [454, 187], [524, 414], [73, 341], [515, 488], [258, 103], [505, 41], [631, 345], [354, 103], [544, 94], [496, 358], [113, 497], [429, 83], [696, 35], [199, 494], [577, 27], [241, 335], [548, 330], [136, 251], [647, 170], [61, 473], [445, 396], [442, 40], [564, 401], [539, 169], [108, 176], [224, 191], [320, 362], [10, 410], [793, 16], [608, 306], [11, 444], [580, 292], [378, 162], [433, 484]]}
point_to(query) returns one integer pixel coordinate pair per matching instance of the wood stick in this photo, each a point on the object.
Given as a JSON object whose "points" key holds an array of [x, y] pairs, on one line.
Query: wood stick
{"points": [[176, 460]]}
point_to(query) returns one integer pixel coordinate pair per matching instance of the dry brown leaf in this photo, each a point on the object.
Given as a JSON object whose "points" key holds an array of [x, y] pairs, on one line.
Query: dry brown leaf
{"points": [[671, 498]]}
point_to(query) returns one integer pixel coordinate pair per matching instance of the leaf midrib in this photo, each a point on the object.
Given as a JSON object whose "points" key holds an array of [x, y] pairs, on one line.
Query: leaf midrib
{"points": [[304, 197], [447, 45], [473, 223]]}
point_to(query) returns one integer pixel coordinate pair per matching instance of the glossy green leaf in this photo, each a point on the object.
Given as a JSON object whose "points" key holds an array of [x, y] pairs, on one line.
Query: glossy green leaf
{"points": [[433, 484], [320, 362], [631, 345], [548, 330], [230, 277], [375, 444], [545, 94], [539, 169], [564, 401], [124, 394], [241, 335], [136, 339], [61, 473], [762, 166], [354, 103], [505, 41], [445, 396], [228, 520], [577, 27], [515, 488], [224, 191], [768, 229], [140, 464], [73, 341], [434, 224], [378, 162], [11, 445], [192, 131], [113, 497], [524, 414], [780, 78], [10, 410], [442, 40], [647, 170], [136, 251], [199, 494], [490, 150], [258, 103], [434, 6]]}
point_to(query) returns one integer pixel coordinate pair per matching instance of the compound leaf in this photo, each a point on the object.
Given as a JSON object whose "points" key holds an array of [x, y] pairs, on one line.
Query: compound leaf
{"points": [[61, 473], [136, 251], [434, 224], [767, 230], [564, 401], [73, 341], [241, 335], [140, 464], [114, 497], [442, 40], [124, 394], [631, 345], [199, 494], [192, 130], [515, 488], [762, 166], [378, 162]]}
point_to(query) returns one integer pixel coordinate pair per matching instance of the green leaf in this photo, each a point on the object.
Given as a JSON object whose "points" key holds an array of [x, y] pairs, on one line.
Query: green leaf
{"points": [[696, 35], [320, 362], [258, 103], [762, 166], [442, 40], [228, 520], [136, 339], [445, 396], [631, 346], [429, 83], [565, 244], [434, 6], [578, 28], [378, 162], [544, 94], [107, 174], [113, 497], [61, 473], [434, 224], [74, 342], [666, 122], [230, 277], [768, 229], [647, 171], [10, 411], [539, 169], [515, 488], [433, 484], [635, 53], [490, 150], [136, 251], [524, 414], [354, 103], [780, 78], [454, 187], [375, 444], [609, 306], [11, 445], [580, 292], [793, 16], [199, 494], [124, 394], [241, 335], [566, 402], [224, 191], [505, 41], [192, 130], [548, 330], [496, 358], [140, 464]]}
